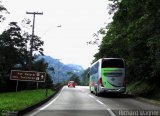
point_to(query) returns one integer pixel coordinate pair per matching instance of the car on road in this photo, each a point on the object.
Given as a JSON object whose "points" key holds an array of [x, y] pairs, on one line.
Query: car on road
{"points": [[71, 84]]}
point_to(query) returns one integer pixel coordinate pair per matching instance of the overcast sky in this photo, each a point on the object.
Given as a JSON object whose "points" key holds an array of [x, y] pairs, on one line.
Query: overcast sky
{"points": [[79, 20]]}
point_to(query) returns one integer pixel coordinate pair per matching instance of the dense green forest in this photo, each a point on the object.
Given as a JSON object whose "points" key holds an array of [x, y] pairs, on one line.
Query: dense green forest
{"points": [[134, 34]]}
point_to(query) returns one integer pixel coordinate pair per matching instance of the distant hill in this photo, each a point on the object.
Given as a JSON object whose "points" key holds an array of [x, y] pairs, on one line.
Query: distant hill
{"points": [[61, 70]]}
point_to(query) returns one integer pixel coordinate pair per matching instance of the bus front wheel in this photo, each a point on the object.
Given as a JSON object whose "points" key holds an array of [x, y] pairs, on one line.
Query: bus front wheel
{"points": [[96, 91]]}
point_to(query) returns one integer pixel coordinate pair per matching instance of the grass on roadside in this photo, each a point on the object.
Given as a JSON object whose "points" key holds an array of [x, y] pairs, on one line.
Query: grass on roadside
{"points": [[13, 101]]}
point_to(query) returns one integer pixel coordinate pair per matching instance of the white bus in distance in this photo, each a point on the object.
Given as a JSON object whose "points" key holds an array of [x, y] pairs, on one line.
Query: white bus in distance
{"points": [[107, 75]]}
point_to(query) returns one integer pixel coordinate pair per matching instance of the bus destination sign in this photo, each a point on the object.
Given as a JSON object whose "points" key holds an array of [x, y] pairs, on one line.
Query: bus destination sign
{"points": [[28, 75]]}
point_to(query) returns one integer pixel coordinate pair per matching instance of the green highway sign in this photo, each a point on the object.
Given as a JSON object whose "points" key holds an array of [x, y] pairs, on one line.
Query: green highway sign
{"points": [[28, 75]]}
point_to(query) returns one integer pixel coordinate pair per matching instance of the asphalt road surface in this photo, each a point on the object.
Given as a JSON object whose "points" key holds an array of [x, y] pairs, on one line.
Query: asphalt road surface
{"points": [[79, 101]]}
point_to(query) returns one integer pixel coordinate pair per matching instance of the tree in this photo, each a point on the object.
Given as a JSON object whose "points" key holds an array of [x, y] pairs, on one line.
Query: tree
{"points": [[12, 46], [85, 78], [41, 66], [14, 53], [134, 35], [74, 78], [2, 9]]}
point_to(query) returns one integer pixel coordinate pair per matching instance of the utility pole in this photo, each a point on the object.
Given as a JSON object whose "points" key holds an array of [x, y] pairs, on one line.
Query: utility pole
{"points": [[31, 41]]}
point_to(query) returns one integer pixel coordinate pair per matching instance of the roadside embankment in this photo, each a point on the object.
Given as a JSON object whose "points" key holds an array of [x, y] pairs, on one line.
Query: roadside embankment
{"points": [[145, 91]]}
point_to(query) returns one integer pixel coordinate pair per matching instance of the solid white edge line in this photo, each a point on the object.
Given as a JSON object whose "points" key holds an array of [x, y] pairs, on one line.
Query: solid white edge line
{"points": [[91, 96], [109, 110], [99, 102], [34, 113]]}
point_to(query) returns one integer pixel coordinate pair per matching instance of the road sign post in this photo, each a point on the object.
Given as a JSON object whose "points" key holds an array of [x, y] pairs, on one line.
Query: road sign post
{"points": [[17, 86], [28, 76], [20, 75]]}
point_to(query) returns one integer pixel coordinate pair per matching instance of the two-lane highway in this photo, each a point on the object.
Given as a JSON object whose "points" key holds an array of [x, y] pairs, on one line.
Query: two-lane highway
{"points": [[79, 101], [127, 105], [73, 102]]}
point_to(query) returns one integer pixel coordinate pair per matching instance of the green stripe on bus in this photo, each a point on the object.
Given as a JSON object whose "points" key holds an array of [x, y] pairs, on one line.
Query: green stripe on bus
{"points": [[104, 77]]}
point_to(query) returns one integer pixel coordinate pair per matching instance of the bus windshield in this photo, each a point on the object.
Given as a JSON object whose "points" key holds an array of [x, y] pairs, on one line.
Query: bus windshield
{"points": [[112, 63]]}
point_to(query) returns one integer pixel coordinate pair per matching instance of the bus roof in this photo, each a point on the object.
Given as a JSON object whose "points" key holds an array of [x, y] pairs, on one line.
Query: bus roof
{"points": [[104, 58]]}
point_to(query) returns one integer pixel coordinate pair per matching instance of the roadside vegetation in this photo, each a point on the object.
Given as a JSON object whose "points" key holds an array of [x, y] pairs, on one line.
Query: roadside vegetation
{"points": [[85, 78], [14, 101], [134, 34], [14, 55]]}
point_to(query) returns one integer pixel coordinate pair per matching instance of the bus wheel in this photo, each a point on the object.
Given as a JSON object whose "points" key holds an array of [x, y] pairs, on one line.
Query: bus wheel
{"points": [[96, 93]]}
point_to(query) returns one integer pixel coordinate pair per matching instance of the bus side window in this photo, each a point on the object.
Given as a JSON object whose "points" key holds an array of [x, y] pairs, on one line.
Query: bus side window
{"points": [[94, 69]]}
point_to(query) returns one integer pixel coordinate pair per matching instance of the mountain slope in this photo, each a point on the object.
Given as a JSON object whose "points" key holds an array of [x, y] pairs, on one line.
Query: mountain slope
{"points": [[61, 71]]}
